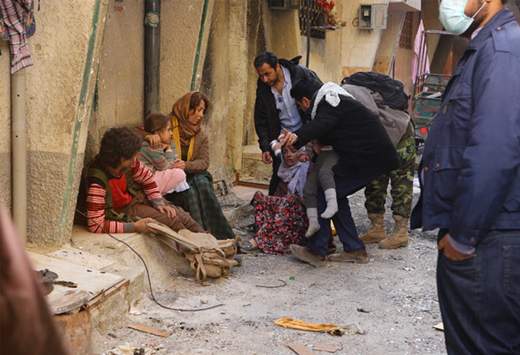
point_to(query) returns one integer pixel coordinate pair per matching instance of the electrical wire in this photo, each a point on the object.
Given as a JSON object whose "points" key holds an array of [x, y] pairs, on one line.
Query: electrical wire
{"points": [[152, 295]]}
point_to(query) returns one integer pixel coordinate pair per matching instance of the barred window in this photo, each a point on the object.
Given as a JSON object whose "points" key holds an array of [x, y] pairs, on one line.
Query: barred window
{"points": [[311, 14]]}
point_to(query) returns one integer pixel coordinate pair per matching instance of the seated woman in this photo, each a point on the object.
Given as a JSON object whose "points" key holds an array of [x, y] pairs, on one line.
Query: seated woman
{"points": [[163, 159], [281, 219], [122, 196], [192, 144]]}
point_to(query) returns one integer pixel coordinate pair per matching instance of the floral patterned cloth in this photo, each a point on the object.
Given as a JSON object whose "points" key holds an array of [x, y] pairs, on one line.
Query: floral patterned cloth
{"points": [[280, 221]]}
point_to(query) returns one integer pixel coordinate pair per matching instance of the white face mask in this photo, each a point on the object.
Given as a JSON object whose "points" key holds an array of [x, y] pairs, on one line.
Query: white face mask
{"points": [[453, 18]]}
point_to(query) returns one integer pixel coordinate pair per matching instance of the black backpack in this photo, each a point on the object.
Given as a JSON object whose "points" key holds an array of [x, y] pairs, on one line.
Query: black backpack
{"points": [[391, 90]]}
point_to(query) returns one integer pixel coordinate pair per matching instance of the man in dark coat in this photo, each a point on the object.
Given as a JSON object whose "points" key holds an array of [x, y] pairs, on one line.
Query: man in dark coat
{"points": [[364, 151], [275, 109], [470, 178]]}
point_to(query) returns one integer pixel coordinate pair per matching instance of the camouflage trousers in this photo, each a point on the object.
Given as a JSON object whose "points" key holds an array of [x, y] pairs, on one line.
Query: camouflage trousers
{"points": [[401, 181]]}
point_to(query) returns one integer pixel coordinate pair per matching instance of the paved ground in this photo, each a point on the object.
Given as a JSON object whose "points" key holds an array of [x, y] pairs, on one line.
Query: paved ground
{"points": [[392, 300]]}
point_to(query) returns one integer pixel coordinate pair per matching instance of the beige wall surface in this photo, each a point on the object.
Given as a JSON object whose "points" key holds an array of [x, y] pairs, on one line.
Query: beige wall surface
{"points": [[180, 27], [120, 85], [59, 94], [5, 123], [225, 82], [346, 49]]}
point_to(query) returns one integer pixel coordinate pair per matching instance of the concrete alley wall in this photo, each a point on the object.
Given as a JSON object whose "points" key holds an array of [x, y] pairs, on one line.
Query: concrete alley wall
{"points": [[120, 85], [60, 89], [59, 92]]}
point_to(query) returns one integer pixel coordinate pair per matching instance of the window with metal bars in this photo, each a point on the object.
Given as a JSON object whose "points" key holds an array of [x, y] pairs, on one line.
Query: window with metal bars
{"points": [[312, 15]]}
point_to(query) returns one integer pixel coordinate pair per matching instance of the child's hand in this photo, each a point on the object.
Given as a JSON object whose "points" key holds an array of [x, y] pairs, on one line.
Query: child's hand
{"points": [[141, 226], [166, 147], [154, 140], [179, 164]]}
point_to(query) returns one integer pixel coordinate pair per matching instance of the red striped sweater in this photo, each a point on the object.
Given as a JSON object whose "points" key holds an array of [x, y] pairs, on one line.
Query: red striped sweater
{"points": [[96, 202]]}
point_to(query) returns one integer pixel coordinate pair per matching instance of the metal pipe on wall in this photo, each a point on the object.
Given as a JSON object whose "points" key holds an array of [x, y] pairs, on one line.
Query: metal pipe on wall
{"points": [[152, 52], [19, 152]]}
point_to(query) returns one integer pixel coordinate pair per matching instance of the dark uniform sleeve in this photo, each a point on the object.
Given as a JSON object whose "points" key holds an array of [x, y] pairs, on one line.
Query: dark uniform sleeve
{"points": [[492, 156]]}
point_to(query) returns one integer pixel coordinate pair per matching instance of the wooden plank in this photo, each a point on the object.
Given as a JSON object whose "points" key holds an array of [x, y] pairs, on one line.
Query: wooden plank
{"points": [[328, 348], [150, 330], [107, 293], [69, 301], [89, 280], [300, 349]]}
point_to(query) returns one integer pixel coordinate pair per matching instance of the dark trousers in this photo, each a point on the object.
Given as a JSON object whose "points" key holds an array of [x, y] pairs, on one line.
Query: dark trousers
{"points": [[343, 221], [275, 180], [480, 298]]}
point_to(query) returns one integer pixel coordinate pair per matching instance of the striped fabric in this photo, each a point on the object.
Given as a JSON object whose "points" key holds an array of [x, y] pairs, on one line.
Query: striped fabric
{"points": [[14, 15], [96, 202]]}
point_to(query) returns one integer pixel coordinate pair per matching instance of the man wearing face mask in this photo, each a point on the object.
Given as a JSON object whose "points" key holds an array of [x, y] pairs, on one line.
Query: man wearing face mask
{"points": [[470, 177]]}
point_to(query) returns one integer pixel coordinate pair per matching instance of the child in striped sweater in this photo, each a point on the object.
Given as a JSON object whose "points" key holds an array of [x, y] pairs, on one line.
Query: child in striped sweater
{"points": [[168, 170], [122, 196]]}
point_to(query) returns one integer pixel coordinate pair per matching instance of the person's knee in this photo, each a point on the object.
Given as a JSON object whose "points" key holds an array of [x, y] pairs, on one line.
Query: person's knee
{"points": [[326, 178]]}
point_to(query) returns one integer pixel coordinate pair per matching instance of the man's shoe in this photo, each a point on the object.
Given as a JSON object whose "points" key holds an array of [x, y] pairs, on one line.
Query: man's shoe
{"points": [[399, 239], [356, 257], [376, 233], [303, 254]]}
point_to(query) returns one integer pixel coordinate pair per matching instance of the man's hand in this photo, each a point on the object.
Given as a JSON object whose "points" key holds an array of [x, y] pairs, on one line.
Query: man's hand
{"points": [[141, 226], [316, 147], [179, 164], [283, 133], [267, 158], [167, 210], [450, 252], [289, 139], [154, 140]]}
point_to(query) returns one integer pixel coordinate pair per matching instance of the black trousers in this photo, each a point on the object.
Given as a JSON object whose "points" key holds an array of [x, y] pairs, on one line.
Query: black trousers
{"points": [[275, 180], [480, 298]]}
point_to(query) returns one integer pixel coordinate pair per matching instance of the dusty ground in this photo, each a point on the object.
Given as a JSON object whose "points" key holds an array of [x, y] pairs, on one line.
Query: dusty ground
{"points": [[392, 300]]}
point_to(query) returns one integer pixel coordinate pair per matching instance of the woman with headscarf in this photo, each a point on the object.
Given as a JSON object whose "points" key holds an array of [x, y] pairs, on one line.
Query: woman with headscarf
{"points": [[191, 144]]}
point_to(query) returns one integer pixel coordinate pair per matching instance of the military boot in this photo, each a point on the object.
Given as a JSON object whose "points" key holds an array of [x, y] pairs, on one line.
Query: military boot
{"points": [[399, 238], [376, 233]]}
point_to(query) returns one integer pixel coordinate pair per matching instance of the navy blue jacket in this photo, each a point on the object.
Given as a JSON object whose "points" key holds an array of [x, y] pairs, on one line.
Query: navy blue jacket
{"points": [[470, 172]]}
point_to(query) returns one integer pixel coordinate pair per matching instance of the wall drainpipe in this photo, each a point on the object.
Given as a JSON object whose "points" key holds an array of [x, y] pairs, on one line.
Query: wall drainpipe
{"points": [[152, 52], [19, 152]]}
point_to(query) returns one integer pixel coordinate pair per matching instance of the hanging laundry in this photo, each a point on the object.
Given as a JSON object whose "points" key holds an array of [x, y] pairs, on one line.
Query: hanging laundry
{"points": [[15, 17]]}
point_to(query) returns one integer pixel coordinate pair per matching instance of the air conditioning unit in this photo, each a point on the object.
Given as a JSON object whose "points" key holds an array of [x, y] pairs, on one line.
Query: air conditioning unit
{"points": [[373, 17], [284, 4]]}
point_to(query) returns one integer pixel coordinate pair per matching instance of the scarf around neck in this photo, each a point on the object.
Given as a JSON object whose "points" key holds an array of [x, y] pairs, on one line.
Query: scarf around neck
{"points": [[330, 91], [183, 132]]}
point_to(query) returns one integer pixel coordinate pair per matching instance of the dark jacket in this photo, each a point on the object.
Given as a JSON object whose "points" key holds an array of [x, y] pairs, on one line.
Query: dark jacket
{"points": [[470, 166], [356, 134], [267, 120]]}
